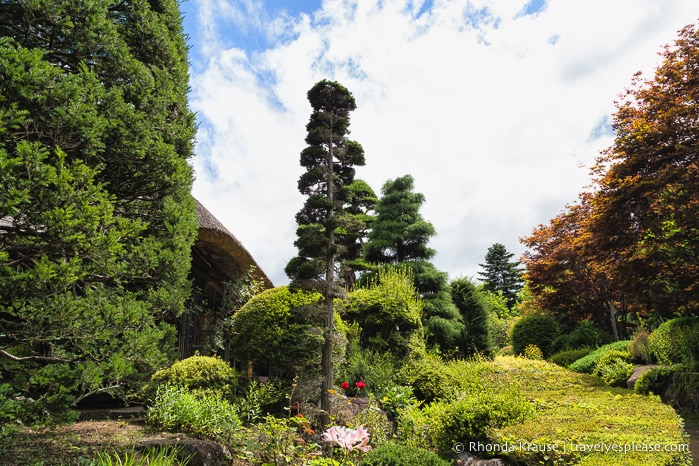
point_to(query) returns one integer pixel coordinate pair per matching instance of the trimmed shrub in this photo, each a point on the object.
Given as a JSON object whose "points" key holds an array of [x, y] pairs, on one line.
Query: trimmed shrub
{"points": [[395, 454], [175, 409], [638, 349], [587, 363], [533, 352], [654, 380], [683, 392], [586, 335], [614, 367], [567, 357], [536, 330], [205, 375], [676, 341]]}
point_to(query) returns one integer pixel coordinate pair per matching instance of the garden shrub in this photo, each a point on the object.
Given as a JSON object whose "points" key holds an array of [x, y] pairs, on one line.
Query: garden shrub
{"points": [[567, 357], [586, 335], [395, 454], [683, 392], [639, 349], [176, 409], [614, 367], [428, 377], [587, 363], [441, 424], [676, 341], [539, 330], [376, 370], [532, 352], [200, 375], [654, 380]]}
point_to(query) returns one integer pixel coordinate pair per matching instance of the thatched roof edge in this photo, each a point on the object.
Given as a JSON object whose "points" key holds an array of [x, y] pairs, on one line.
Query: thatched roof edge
{"points": [[212, 231]]}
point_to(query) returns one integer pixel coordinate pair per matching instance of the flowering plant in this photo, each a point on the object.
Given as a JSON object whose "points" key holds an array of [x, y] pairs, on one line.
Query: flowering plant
{"points": [[360, 385], [344, 385], [348, 439]]}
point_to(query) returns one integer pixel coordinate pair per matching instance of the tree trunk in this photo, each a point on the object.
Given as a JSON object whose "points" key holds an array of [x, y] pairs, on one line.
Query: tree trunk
{"points": [[327, 357], [612, 317]]}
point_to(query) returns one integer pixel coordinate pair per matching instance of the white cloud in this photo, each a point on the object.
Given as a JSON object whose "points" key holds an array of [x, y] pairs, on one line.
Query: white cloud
{"points": [[491, 111]]}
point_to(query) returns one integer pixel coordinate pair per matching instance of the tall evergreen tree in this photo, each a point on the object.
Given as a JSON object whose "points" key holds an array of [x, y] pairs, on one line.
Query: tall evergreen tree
{"points": [[399, 235], [96, 215], [475, 338], [501, 274], [325, 219]]}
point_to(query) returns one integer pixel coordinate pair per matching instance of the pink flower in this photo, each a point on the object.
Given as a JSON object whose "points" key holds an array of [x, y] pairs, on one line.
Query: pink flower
{"points": [[348, 439], [344, 385], [360, 385]]}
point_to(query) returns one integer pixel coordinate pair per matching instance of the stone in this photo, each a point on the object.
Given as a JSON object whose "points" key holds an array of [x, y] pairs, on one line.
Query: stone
{"points": [[637, 372], [202, 452]]}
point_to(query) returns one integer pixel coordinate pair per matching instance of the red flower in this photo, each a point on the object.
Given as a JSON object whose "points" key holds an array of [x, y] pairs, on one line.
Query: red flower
{"points": [[360, 384], [344, 385]]}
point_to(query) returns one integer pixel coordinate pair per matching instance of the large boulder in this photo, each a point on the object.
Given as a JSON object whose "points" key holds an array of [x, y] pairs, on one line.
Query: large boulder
{"points": [[637, 372], [200, 452]]}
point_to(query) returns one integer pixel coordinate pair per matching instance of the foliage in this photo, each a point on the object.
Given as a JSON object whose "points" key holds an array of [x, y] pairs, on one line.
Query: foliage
{"points": [[575, 411], [586, 335], [388, 312], [376, 369], [614, 367], [397, 398], [532, 352], [683, 392], [395, 454], [258, 401], [163, 456], [655, 379], [566, 357], [475, 337], [639, 350], [97, 215], [329, 223], [176, 409], [442, 424], [676, 341], [501, 274], [205, 375], [629, 246], [278, 441], [272, 331], [399, 236], [539, 330], [587, 363]]}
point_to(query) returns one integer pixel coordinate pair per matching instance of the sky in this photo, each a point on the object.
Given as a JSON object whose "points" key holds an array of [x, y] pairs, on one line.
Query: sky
{"points": [[497, 108]]}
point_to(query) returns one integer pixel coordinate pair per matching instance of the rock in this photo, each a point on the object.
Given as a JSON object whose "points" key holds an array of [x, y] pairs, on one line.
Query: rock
{"points": [[202, 452], [637, 372], [467, 459]]}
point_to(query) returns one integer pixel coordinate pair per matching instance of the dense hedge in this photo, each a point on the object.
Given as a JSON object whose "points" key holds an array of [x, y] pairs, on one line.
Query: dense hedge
{"points": [[395, 454], [537, 330], [676, 341], [199, 375], [587, 363]]}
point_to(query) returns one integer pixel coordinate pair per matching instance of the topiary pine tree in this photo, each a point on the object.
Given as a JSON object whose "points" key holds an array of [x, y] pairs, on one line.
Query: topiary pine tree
{"points": [[475, 338], [502, 275], [325, 221], [399, 235], [96, 215]]}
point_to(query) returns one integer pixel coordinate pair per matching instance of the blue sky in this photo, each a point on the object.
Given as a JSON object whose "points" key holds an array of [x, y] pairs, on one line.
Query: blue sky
{"points": [[496, 107]]}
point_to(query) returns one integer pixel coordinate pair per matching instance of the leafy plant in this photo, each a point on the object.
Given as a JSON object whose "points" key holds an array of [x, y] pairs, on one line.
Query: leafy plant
{"points": [[176, 409], [675, 341], [395, 454], [532, 352], [567, 357], [655, 379], [536, 330], [586, 335], [587, 363], [204, 375], [639, 348], [614, 367], [164, 456]]}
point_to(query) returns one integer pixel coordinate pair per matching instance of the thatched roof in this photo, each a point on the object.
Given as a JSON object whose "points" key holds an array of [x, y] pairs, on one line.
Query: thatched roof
{"points": [[217, 254]]}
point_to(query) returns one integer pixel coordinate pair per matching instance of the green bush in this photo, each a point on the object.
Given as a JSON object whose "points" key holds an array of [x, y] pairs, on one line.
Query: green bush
{"points": [[395, 454], [638, 349], [586, 335], [614, 367], [654, 380], [175, 409], [441, 424], [536, 330], [376, 370], [587, 364], [567, 357], [533, 352], [198, 374], [676, 341]]}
